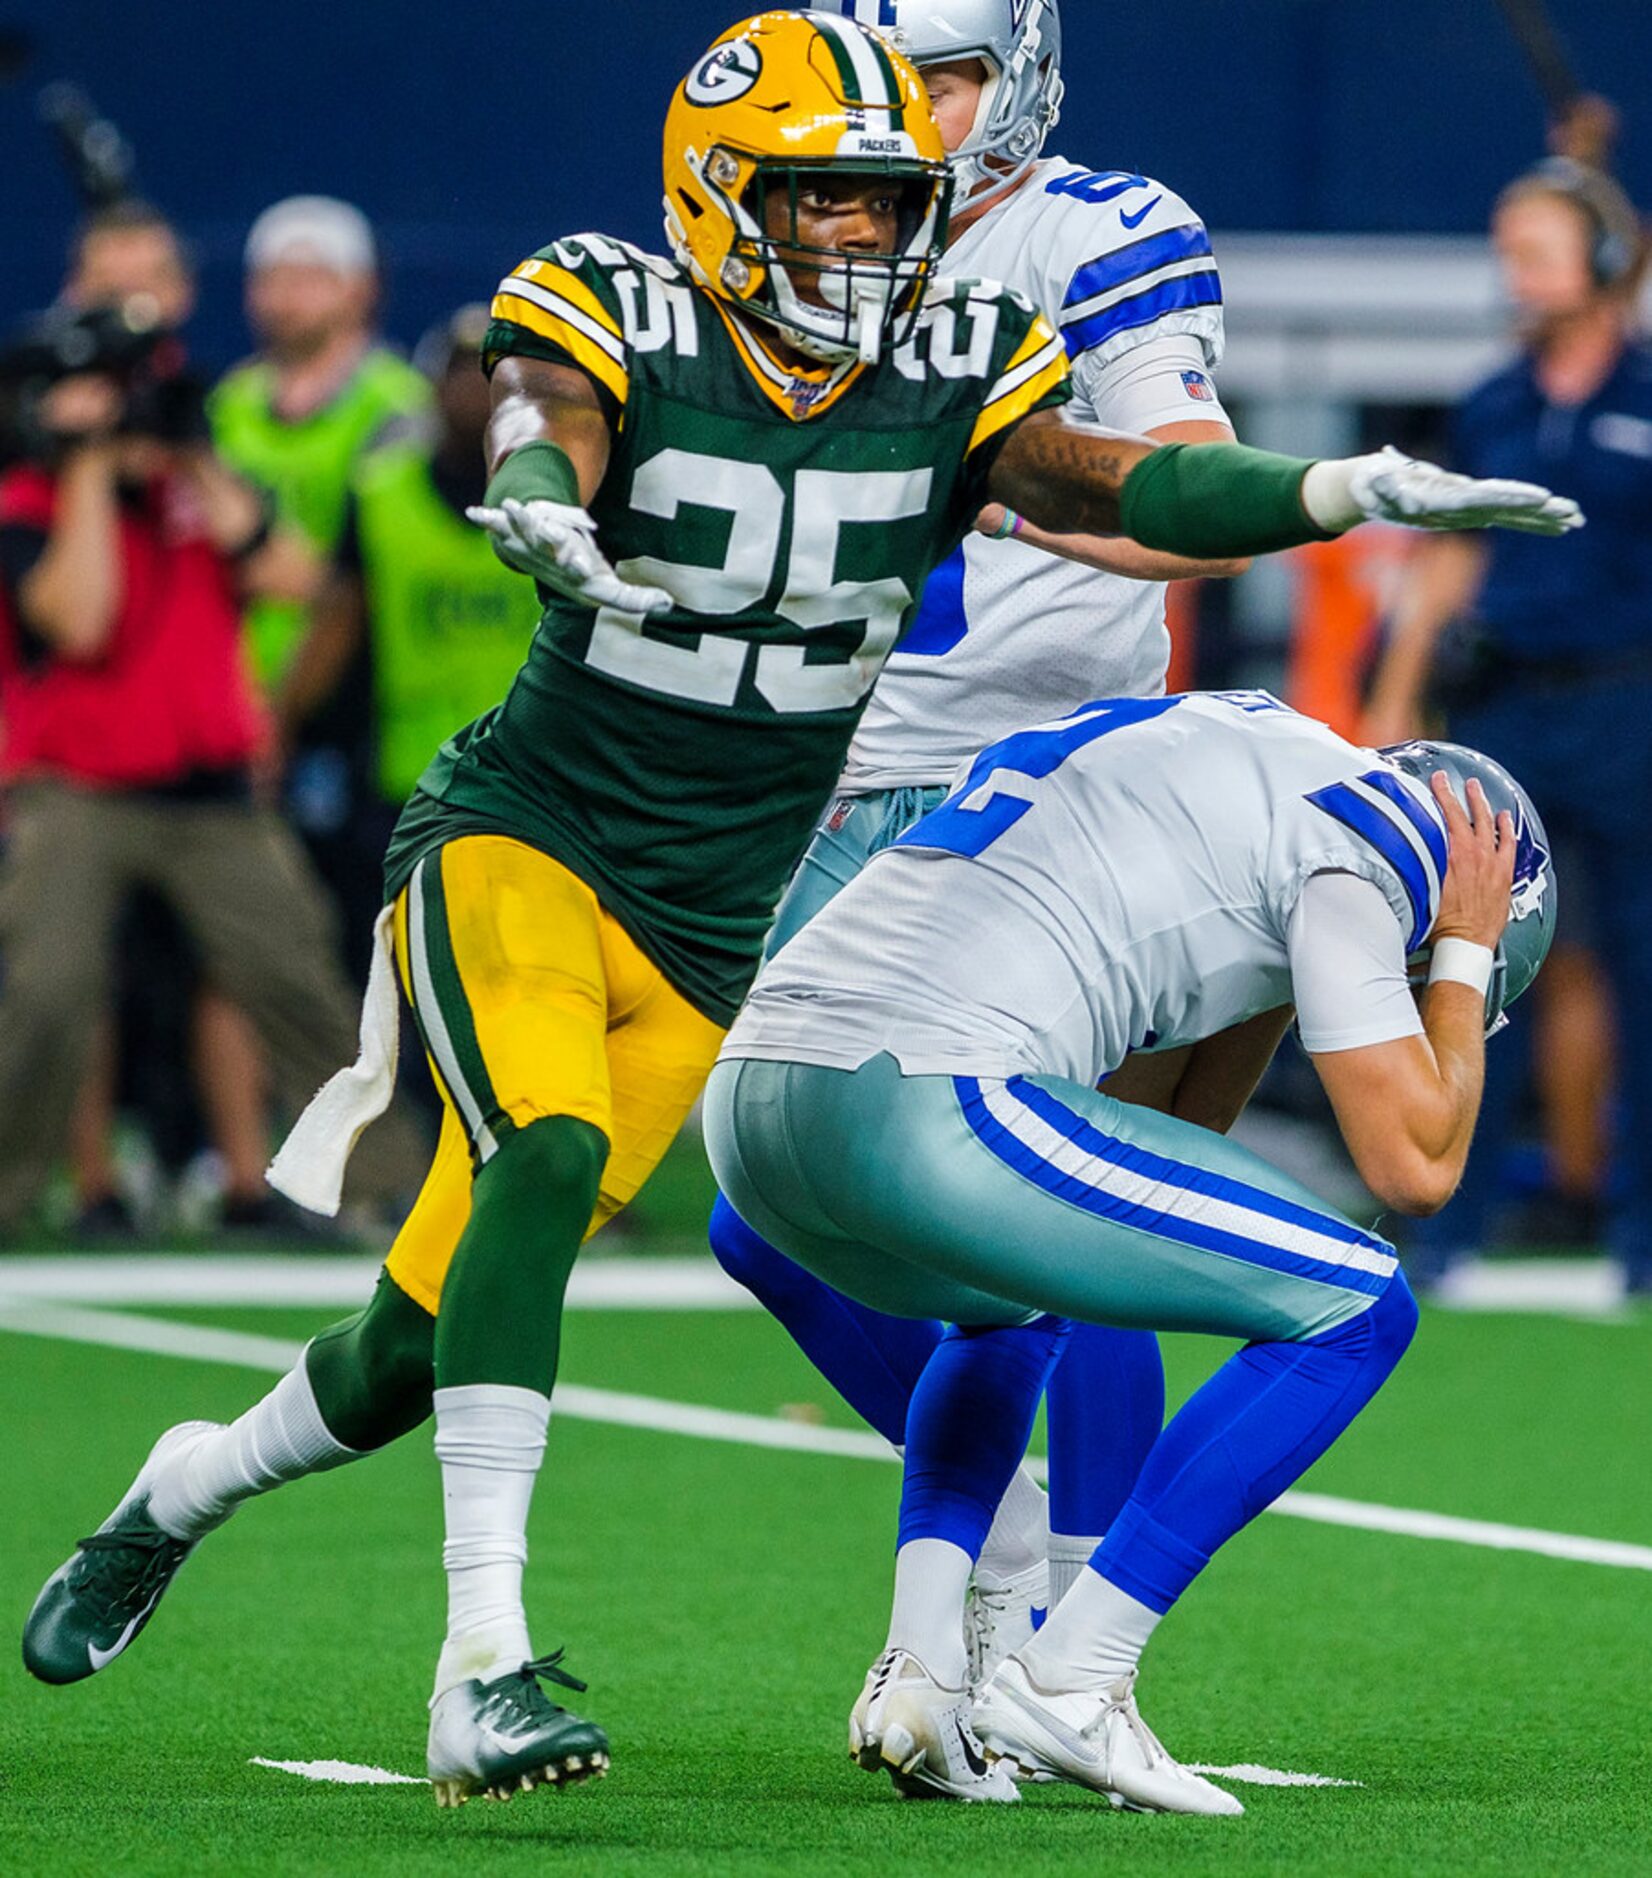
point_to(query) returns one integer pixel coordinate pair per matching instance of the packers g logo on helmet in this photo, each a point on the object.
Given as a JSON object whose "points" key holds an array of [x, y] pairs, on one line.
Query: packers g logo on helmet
{"points": [[724, 75], [779, 99]]}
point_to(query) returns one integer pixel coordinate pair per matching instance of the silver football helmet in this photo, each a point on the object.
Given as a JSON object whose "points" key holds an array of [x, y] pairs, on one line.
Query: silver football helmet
{"points": [[1019, 42], [1530, 931]]}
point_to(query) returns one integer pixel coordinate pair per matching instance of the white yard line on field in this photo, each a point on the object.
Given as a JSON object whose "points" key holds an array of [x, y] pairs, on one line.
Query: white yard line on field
{"points": [[324, 1281], [156, 1336], [1585, 1289], [348, 1774], [1252, 1775]]}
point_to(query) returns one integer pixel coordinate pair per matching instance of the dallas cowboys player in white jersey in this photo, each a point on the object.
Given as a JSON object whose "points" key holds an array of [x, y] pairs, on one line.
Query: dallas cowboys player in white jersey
{"points": [[908, 1106], [1016, 626]]}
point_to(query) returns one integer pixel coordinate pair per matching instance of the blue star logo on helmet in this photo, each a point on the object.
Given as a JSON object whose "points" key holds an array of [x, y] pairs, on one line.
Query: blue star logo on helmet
{"points": [[724, 75], [1531, 870]]}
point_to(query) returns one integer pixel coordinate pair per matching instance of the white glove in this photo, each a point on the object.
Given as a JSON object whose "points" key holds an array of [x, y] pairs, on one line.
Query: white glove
{"points": [[557, 544], [1391, 487]]}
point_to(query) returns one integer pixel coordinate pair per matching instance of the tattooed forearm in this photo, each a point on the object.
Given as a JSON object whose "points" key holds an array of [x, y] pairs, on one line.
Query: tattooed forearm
{"points": [[1065, 478]]}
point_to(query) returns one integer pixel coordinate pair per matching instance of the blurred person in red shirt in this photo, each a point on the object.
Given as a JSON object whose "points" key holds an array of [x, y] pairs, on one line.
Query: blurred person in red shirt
{"points": [[131, 728]]}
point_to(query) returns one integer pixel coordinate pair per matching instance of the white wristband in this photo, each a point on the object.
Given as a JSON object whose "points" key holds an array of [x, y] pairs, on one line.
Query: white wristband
{"points": [[1462, 962], [1327, 494]]}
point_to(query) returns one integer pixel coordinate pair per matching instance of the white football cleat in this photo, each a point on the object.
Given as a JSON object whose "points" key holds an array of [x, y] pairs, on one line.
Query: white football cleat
{"points": [[919, 1733], [1000, 1615], [1093, 1738]]}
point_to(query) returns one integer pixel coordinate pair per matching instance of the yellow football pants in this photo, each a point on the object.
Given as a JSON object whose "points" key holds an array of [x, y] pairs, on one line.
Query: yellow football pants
{"points": [[532, 1001]]}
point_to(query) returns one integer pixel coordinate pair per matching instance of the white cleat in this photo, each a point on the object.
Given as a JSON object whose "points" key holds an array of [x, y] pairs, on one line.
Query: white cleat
{"points": [[1093, 1738], [1000, 1615], [919, 1733]]}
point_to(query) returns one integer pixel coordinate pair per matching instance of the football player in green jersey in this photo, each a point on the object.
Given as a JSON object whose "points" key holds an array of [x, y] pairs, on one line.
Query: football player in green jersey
{"points": [[776, 436]]}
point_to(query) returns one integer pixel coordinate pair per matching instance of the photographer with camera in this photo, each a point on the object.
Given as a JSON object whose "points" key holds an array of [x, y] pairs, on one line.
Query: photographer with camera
{"points": [[129, 725]]}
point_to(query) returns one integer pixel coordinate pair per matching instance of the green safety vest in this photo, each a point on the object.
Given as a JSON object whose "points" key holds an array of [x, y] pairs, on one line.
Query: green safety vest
{"points": [[449, 623], [306, 466]]}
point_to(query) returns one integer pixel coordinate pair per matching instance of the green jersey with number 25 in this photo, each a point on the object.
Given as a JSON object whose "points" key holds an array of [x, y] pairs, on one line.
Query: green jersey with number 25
{"points": [[678, 763]]}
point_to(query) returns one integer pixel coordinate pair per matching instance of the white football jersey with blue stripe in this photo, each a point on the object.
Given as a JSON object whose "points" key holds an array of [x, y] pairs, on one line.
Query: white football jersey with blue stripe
{"points": [[1007, 634], [1121, 879]]}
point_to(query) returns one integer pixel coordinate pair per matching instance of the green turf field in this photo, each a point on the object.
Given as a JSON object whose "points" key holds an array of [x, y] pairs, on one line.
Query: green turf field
{"points": [[724, 1602]]}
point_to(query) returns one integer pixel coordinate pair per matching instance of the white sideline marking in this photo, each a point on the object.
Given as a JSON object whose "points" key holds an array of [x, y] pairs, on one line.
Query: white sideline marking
{"points": [[325, 1281], [348, 1774], [1587, 1288], [340, 1773], [1255, 1776], [155, 1336]]}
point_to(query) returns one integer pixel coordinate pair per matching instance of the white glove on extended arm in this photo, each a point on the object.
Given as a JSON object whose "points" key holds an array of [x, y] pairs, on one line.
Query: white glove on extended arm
{"points": [[557, 544], [1390, 487]]}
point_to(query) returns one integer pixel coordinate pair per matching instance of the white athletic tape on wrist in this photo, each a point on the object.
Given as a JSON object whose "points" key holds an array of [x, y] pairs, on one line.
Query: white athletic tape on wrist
{"points": [[1462, 962]]}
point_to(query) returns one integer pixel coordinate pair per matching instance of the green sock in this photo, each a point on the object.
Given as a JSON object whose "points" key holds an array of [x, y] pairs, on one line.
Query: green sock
{"points": [[372, 1375], [501, 1314]]}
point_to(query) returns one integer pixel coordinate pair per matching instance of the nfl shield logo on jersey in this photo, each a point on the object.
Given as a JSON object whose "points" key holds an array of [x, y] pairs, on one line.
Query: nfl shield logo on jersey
{"points": [[1200, 387]]}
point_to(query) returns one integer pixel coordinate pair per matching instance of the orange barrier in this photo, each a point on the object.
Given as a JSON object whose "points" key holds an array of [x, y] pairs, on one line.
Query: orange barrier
{"points": [[1342, 590]]}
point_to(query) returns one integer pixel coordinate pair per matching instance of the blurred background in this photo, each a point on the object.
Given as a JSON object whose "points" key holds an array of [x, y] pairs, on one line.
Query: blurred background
{"points": [[1347, 159]]}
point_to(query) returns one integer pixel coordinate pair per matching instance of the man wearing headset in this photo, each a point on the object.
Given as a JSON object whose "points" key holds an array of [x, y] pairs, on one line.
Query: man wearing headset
{"points": [[1558, 673]]}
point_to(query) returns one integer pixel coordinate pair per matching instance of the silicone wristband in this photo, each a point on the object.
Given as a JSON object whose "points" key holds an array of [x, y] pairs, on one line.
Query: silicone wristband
{"points": [[1010, 525], [1462, 962]]}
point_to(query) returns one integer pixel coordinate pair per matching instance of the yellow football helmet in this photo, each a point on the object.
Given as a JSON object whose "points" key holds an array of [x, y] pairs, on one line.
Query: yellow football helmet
{"points": [[778, 99]]}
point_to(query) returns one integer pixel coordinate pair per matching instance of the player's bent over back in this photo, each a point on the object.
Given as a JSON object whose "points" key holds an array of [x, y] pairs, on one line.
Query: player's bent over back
{"points": [[908, 1106]]}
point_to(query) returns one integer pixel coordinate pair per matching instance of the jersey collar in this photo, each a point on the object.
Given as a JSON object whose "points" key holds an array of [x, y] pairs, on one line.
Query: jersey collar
{"points": [[801, 391]]}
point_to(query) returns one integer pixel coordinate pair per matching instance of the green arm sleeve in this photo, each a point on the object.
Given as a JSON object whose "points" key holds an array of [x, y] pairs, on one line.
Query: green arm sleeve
{"points": [[538, 472], [1217, 501]]}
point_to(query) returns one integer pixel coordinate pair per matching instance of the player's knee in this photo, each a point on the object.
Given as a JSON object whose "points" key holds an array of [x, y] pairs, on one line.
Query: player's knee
{"points": [[1376, 1338], [1394, 1319], [557, 1154]]}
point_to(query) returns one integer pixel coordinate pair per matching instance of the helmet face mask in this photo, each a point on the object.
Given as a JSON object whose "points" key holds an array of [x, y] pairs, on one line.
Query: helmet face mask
{"points": [[1527, 937], [830, 301], [786, 103]]}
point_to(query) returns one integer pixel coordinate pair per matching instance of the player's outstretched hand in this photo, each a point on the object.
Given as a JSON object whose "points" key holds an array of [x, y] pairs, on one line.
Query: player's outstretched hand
{"points": [[1391, 487], [1475, 894], [557, 544]]}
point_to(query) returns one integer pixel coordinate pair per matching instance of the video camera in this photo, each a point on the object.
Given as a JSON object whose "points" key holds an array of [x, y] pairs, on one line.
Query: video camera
{"points": [[124, 342]]}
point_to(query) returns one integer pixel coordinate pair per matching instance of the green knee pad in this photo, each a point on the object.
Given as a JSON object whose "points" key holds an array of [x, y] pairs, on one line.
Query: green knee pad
{"points": [[501, 1315], [374, 1373]]}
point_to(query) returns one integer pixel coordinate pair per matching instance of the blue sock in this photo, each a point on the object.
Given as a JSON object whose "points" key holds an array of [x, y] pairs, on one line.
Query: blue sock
{"points": [[1106, 1409], [871, 1360], [972, 1413], [1260, 1422]]}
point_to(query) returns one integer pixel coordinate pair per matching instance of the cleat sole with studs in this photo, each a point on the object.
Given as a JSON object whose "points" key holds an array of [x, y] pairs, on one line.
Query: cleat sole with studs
{"points": [[572, 1772]]}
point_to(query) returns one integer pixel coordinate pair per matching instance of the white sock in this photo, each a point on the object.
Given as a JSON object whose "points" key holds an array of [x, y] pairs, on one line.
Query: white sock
{"points": [[931, 1578], [490, 1440], [1019, 1535], [280, 1438], [1093, 1637], [1069, 1554]]}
